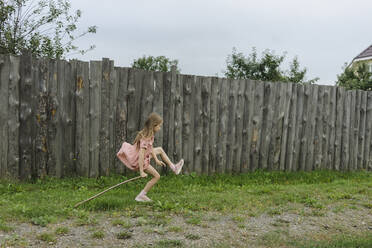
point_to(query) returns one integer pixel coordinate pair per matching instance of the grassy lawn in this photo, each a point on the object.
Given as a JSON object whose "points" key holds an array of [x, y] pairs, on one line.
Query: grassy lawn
{"points": [[198, 200]]}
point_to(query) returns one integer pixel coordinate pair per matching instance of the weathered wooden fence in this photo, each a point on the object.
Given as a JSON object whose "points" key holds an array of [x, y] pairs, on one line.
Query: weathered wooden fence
{"points": [[62, 118]]}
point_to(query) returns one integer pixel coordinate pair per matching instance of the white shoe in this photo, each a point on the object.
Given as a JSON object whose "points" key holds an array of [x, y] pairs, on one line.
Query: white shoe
{"points": [[178, 167], [142, 198]]}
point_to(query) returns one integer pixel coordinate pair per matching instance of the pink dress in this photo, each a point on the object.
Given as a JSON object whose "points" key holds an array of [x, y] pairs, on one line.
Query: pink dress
{"points": [[128, 154]]}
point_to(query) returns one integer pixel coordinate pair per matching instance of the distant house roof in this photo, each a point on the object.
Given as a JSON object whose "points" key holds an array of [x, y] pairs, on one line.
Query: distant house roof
{"points": [[365, 54]]}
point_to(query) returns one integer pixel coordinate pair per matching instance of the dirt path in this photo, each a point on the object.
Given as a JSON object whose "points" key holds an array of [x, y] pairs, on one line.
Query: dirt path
{"points": [[193, 230]]}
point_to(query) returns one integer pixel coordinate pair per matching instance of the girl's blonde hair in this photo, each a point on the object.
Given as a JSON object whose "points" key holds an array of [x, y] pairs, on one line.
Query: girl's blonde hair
{"points": [[153, 120]]}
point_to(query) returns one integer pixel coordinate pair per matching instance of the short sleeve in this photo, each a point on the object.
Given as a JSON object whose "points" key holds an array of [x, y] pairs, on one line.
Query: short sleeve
{"points": [[144, 143]]}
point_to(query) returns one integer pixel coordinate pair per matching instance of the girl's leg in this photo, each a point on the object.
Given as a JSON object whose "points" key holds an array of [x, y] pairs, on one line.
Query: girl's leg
{"points": [[164, 156], [176, 168], [141, 197], [156, 177]]}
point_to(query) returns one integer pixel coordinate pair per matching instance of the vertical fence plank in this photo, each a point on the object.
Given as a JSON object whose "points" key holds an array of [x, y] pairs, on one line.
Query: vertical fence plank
{"points": [[345, 132], [298, 127], [121, 115], [62, 118], [222, 126], [257, 122], [340, 98], [178, 119], [82, 119], [188, 124], [231, 123], [246, 120], [332, 128], [219, 82], [305, 125], [326, 132], [274, 151], [323, 97], [318, 129], [4, 108], [205, 100], [104, 136], [147, 96], [362, 129], [72, 109], [158, 104], [264, 126], [54, 136], [278, 125], [95, 116], [287, 102], [355, 129], [26, 114], [198, 126], [113, 87], [134, 97], [172, 101], [41, 80], [291, 128], [36, 64], [13, 118], [213, 131], [70, 122], [311, 129], [269, 100], [239, 126], [169, 100], [167, 84], [368, 144], [351, 130]]}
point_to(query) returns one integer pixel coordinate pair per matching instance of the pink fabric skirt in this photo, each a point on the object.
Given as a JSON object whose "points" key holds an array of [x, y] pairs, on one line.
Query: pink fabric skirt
{"points": [[129, 154]]}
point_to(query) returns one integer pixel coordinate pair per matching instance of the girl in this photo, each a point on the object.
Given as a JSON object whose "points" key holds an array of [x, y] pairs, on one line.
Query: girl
{"points": [[137, 156]]}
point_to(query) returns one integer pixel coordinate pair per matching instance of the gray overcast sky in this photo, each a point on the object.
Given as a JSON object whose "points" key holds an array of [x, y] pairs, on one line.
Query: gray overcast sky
{"points": [[324, 34]]}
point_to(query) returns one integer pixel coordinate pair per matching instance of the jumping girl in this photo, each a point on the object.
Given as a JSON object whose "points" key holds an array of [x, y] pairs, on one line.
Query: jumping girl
{"points": [[137, 156]]}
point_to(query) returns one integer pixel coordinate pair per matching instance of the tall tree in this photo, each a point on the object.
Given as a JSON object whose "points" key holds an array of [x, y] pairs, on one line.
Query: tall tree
{"points": [[266, 68], [355, 78], [45, 28], [151, 63]]}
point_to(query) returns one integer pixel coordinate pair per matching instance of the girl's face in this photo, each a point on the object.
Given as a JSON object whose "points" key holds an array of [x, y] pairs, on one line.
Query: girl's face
{"points": [[157, 127]]}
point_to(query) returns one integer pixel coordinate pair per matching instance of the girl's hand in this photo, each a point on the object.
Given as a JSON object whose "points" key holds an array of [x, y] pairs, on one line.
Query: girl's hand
{"points": [[158, 162], [143, 174]]}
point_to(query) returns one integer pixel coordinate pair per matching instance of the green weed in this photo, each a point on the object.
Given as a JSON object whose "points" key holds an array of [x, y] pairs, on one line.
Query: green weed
{"points": [[124, 235], [61, 230], [98, 234], [47, 237]]}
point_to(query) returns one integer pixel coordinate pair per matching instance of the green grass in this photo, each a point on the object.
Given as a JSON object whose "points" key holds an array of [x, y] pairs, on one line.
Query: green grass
{"points": [[50, 200], [192, 236], [61, 231], [124, 235], [98, 234], [175, 229], [47, 237], [337, 241], [5, 228], [122, 223], [14, 241], [169, 243]]}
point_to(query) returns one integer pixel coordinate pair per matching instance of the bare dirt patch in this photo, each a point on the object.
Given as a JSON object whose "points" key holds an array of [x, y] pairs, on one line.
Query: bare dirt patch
{"points": [[209, 229]]}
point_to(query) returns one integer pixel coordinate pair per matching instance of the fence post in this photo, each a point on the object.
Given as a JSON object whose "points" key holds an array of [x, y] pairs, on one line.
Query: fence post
{"points": [[4, 109]]}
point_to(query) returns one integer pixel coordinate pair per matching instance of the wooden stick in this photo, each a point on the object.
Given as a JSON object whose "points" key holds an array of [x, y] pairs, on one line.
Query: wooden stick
{"points": [[117, 185]]}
